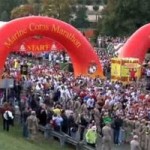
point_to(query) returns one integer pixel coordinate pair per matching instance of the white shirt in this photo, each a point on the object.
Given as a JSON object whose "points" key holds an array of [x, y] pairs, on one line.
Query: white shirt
{"points": [[148, 72], [90, 102], [135, 145], [9, 113]]}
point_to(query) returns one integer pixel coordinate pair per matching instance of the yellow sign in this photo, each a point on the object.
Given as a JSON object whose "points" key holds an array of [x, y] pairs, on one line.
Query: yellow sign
{"points": [[121, 69], [124, 71], [115, 69]]}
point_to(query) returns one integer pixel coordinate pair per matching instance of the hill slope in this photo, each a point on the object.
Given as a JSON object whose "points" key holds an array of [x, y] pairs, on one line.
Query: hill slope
{"points": [[13, 140]]}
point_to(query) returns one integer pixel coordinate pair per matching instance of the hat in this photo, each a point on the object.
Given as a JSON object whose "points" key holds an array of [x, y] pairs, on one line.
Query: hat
{"points": [[94, 128], [135, 137], [143, 120], [106, 114], [146, 96], [33, 113]]}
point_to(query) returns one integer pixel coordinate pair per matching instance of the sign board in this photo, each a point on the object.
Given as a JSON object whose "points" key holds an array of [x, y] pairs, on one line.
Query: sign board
{"points": [[121, 69], [6, 83]]}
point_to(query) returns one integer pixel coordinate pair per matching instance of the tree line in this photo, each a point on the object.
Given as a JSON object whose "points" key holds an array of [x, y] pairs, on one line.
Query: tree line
{"points": [[123, 17], [118, 18], [70, 11]]}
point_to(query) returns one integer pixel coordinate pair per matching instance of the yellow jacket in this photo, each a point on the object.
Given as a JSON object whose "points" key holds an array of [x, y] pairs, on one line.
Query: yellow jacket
{"points": [[91, 136]]}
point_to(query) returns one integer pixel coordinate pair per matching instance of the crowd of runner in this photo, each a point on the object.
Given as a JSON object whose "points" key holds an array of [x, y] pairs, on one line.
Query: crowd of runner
{"points": [[83, 108]]}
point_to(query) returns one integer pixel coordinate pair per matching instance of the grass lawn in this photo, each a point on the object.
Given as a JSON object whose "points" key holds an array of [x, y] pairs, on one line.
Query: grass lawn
{"points": [[13, 140]]}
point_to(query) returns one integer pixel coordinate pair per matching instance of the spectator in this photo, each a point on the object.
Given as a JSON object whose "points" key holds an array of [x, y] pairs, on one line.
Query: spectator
{"points": [[64, 125], [73, 127], [97, 100], [57, 122], [91, 136], [135, 145], [83, 125], [7, 119], [42, 115], [107, 137], [25, 114], [32, 124], [117, 124]]}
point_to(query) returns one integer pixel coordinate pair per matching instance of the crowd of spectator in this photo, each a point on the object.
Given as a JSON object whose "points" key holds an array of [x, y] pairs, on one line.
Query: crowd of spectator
{"points": [[83, 107]]}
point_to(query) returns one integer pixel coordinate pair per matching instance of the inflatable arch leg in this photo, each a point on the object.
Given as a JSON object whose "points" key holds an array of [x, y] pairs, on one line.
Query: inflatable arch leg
{"points": [[138, 44]]}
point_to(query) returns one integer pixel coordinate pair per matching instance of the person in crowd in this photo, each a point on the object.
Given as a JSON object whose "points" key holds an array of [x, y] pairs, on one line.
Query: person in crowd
{"points": [[72, 126], [82, 126], [107, 137], [106, 118], [7, 119], [64, 125], [7, 115], [143, 133], [57, 121], [32, 125], [91, 136], [57, 109], [147, 137], [42, 115], [134, 144], [25, 114], [90, 99], [117, 124], [147, 72], [132, 74]]}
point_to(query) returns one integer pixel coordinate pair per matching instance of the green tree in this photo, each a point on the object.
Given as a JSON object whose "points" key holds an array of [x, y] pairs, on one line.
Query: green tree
{"points": [[33, 1], [4, 16], [123, 17], [81, 18], [22, 11], [6, 6], [92, 2], [20, 2], [31, 7], [58, 9]]}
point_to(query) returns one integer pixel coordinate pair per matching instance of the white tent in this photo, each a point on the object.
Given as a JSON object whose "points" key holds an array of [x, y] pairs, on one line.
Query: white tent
{"points": [[2, 23]]}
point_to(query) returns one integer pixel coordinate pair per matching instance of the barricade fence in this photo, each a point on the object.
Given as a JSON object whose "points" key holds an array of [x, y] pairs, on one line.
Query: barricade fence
{"points": [[64, 138]]}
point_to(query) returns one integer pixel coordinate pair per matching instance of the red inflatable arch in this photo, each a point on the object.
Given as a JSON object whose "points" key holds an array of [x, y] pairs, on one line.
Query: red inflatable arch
{"points": [[78, 48], [138, 44]]}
